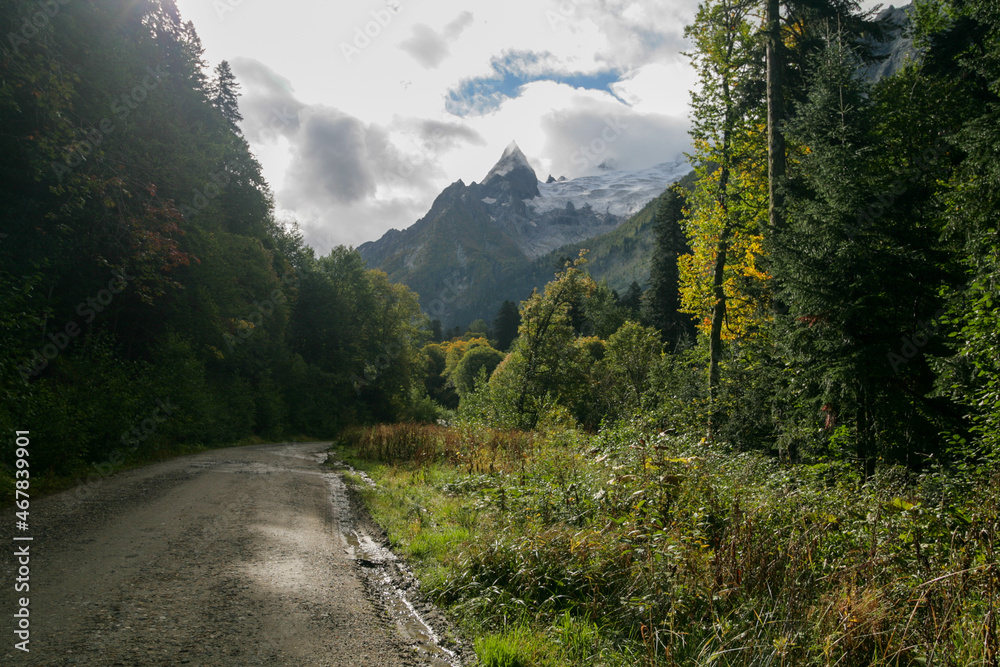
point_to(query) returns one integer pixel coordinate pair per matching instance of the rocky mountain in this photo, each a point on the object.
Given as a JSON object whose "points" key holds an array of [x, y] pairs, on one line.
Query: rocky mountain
{"points": [[485, 242], [895, 48]]}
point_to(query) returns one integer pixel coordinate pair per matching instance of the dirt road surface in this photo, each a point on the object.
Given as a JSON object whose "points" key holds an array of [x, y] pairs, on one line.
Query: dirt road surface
{"points": [[243, 556]]}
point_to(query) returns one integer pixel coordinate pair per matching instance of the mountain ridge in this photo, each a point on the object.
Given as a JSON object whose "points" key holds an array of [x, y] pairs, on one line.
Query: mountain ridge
{"points": [[503, 236]]}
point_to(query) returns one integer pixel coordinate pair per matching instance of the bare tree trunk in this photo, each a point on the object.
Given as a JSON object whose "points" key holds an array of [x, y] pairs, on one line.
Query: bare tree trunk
{"points": [[775, 113], [715, 338]]}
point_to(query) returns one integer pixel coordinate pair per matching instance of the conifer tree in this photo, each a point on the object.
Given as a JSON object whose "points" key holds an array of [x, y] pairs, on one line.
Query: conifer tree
{"points": [[861, 290], [224, 94], [662, 301], [505, 325]]}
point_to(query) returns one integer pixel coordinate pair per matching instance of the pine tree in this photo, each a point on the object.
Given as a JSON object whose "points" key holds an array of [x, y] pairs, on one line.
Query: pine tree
{"points": [[964, 58], [224, 95], [505, 325], [662, 301], [725, 223], [631, 301], [859, 294]]}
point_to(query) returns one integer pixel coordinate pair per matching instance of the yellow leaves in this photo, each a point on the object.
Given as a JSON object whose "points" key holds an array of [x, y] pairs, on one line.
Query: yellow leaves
{"points": [[737, 216], [754, 250], [742, 281]]}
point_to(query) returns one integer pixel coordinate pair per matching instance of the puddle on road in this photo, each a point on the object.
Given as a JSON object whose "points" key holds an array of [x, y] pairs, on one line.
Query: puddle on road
{"points": [[382, 570]]}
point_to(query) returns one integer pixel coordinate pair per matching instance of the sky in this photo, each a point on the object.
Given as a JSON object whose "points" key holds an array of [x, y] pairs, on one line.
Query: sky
{"points": [[360, 113]]}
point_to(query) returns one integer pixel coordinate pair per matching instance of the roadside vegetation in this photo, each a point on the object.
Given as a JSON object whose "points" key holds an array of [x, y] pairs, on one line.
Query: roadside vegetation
{"points": [[784, 451], [637, 546]]}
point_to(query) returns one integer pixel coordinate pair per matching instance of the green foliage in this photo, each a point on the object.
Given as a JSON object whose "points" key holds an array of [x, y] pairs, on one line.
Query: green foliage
{"points": [[964, 62], [505, 325], [603, 312], [662, 304], [630, 356], [640, 547], [544, 361], [478, 362], [142, 265], [857, 335], [478, 327]]}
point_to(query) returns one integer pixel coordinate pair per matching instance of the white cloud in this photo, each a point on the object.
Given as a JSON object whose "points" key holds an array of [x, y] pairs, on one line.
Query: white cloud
{"points": [[429, 47], [353, 147]]}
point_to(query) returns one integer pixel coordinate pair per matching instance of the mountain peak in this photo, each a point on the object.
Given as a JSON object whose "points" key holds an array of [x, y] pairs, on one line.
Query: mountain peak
{"points": [[511, 159], [511, 149]]}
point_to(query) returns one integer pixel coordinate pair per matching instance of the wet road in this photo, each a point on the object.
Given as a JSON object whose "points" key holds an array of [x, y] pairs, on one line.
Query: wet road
{"points": [[238, 556]]}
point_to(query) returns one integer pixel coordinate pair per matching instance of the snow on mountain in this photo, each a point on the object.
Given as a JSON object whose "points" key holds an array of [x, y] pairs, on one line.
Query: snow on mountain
{"points": [[619, 193], [511, 159], [496, 234]]}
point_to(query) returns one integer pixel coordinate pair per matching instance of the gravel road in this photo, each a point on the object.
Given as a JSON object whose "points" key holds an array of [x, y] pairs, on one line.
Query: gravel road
{"points": [[238, 556]]}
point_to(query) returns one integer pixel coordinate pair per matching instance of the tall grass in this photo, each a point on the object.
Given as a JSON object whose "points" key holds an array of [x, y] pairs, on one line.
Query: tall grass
{"points": [[477, 449], [669, 552]]}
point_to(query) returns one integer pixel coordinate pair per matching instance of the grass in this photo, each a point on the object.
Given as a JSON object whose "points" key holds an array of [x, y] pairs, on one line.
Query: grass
{"points": [[636, 547]]}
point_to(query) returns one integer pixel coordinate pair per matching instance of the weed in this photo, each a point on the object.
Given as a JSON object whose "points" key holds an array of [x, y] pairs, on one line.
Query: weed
{"points": [[635, 546]]}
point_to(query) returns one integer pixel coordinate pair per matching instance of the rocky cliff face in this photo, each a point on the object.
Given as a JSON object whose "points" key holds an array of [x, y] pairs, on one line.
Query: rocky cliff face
{"points": [[896, 47]]}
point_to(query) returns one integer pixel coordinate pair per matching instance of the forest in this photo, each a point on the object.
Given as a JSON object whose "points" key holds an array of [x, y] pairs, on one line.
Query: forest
{"points": [[783, 450], [142, 263]]}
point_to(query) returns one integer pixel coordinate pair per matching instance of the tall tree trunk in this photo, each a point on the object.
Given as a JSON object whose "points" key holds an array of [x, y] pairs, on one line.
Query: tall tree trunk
{"points": [[866, 448], [775, 113], [715, 338]]}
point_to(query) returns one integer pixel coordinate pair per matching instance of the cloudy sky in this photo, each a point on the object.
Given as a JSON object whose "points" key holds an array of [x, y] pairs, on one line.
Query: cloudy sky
{"points": [[362, 112]]}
